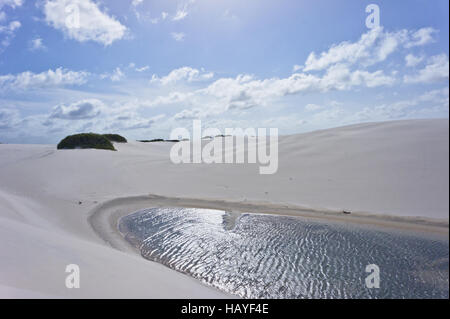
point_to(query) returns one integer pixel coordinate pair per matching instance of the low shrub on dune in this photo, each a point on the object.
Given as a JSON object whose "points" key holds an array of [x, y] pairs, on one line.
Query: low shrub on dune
{"points": [[86, 140], [157, 140], [115, 138], [151, 141]]}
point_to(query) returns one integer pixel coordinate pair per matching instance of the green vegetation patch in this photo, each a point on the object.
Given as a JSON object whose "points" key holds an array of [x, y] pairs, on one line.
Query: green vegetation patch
{"points": [[152, 141], [115, 138], [86, 140]]}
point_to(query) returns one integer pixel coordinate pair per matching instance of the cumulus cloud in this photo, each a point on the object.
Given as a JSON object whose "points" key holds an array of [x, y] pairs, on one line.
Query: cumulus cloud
{"points": [[245, 91], [142, 69], [82, 20], [372, 47], [436, 69], [178, 36], [36, 44], [430, 101], [296, 68], [133, 66], [8, 118], [421, 37], [173, 97], [182, 12], [11, 3], [180, 15], [116, 76], [338, 77], [132, 121], [85, 109], [183, 74], [136, 3], [189, 114], [412, 60], [50, 78], [313, 107], [11, 27], [9, 32]]}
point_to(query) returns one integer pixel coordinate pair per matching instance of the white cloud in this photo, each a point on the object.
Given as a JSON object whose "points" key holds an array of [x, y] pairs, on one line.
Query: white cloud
{"points": [[173, 97], [183, 74], [9, 33], [230, 15], [146, 16], [36, 44], [328, 115], [136, 3], [137, 69], [313, 107], [10, 28], [412, 60], [244, 91], [92, 25], [349, 52], [183, 10], [8, 118], [178, 36], [338, 77], [189, 114], [181, 13], [296, 68], [428, 102], [436, 69], [116, 75], [132, 121], [50, 78], [142, 69], [85, 109], [11, 3], [372, 47], [421, 37], [436, 96]]}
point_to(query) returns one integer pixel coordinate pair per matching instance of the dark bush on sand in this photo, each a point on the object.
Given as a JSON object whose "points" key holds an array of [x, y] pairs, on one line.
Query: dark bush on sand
{"points": [[152, 141], [86, 140], [115, 138], [158, 140]]}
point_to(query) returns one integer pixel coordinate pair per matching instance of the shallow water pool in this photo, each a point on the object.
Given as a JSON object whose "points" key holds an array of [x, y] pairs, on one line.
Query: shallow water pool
{"points": [[270, 256]]}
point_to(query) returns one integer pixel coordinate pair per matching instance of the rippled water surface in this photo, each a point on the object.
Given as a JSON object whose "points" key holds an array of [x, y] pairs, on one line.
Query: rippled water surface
{"points": [[268, 256]]}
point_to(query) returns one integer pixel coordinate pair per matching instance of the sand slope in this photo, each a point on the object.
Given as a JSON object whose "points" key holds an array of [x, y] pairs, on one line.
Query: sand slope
{"points": [[47, 196]]}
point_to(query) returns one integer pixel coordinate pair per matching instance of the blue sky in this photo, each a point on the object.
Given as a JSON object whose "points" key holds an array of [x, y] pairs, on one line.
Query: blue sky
{"points": [[141, 67]]}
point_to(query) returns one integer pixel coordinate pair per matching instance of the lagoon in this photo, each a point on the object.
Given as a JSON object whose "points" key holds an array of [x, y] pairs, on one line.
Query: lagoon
{"points": [[272, 256]]}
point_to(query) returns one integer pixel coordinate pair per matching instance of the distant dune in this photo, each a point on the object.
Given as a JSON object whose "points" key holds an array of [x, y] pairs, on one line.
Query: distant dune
{"points": [[47, 197]]}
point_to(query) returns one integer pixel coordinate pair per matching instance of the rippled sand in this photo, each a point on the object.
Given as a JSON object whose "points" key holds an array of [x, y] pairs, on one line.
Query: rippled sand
{"points": [[267, 256]]}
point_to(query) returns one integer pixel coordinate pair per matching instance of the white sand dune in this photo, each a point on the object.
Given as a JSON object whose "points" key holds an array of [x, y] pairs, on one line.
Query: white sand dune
{"points": [[47, 198]]}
